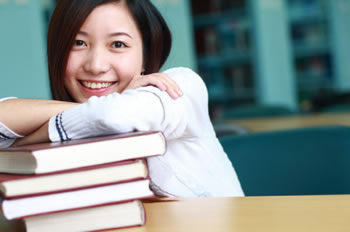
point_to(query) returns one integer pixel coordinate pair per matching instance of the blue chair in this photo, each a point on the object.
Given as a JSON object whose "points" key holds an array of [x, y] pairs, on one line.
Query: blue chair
{"points": [[336, 108], [310, 161]]}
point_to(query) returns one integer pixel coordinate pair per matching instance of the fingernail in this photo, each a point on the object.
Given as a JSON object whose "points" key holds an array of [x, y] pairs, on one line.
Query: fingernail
{"points": [[175, 95]]}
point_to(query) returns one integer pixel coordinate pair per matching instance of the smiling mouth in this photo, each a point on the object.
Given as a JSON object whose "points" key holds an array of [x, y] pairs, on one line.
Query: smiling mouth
{"points": [[96, 85]]}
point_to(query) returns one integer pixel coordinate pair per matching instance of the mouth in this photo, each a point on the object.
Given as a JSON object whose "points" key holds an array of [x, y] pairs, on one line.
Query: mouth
{"points": [[96, 85]]}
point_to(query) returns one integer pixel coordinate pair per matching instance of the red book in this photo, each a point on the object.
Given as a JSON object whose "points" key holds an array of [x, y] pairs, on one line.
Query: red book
{"points": [[121, 215], [78, 199], [15, 186], [53, 157]]}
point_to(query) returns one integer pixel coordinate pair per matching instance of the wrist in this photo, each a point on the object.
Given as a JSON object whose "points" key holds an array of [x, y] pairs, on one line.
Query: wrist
{"points": [[69, 124]]}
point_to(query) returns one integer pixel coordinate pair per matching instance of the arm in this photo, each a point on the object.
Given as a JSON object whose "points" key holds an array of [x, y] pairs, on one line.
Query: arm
{"points": [[41, 135], [24, 116], [28, 118], [115, 113], [137, 108], [142, 109]]}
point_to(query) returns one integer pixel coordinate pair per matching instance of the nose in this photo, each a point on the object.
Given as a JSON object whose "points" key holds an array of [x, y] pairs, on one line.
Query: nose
{"points": [[97, 62]]}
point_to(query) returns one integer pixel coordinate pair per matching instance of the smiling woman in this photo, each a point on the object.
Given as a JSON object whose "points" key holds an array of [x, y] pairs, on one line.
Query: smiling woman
{"points": [[104, 58], [135, 26], [108, 52]]}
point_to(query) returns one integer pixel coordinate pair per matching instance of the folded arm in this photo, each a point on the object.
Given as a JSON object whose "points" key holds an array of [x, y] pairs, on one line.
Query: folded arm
{"points": [[115, 113], [27, 117], [43, 120]]}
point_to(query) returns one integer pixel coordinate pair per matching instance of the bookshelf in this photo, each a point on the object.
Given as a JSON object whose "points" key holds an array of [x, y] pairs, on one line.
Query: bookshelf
{"points": [[243, 53], [223, 48], [284, 52], [312, 50]]}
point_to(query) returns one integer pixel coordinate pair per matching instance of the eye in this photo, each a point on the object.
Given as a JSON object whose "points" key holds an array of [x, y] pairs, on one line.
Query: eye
{"points": [[79, 43], [118, 44]]}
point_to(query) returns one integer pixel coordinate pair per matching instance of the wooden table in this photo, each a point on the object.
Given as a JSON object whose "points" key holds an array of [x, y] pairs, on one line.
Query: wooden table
{"points": [[279, 123], [263, 214], [244, 214]]}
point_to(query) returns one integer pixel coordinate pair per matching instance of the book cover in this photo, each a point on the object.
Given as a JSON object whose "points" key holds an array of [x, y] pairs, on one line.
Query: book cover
{"points": [[98, 218], [85, 198], [17, 186], [53, 157], [122, 215]]}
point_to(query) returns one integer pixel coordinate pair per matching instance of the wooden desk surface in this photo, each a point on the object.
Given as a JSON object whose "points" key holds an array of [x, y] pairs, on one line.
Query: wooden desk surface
{"points": [[279, 123], [263, 214]]}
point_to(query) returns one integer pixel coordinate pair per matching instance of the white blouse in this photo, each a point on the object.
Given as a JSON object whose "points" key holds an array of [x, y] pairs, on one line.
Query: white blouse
{"points": [[194, 164]]}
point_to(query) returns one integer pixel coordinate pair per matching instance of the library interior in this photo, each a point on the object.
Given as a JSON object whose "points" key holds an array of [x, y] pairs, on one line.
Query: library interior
{"points": [[257, 58], [278, 83]]}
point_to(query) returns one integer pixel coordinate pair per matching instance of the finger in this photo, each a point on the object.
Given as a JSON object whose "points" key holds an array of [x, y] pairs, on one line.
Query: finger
{"points": [[159, 80], [171, 86], [155, 81], [142, 81], [170, 83]]}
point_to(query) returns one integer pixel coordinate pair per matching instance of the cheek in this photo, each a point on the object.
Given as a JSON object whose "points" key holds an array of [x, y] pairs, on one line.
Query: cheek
{"points": [[133, 64], [70, 74], [72, 66]]}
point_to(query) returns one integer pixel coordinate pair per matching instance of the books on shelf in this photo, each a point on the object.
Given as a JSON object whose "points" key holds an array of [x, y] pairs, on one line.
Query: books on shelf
{"points": [[15, 185], [52, 157]]}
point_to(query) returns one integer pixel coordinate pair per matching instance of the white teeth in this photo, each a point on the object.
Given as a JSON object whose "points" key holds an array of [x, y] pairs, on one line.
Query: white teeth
{"points": [[94, 85]]}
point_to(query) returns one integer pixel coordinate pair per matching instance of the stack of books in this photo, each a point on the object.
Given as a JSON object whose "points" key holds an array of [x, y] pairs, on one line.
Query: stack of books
{"points": [[79, 185]]}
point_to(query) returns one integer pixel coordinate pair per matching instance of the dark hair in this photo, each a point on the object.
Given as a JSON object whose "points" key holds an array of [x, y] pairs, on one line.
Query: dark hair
{"points": [[69, 16]]}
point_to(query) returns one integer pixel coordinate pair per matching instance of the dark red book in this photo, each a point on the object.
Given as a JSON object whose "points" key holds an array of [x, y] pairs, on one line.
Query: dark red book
{"points": [[101, 218], [16, 186], [78, 199], [53, 157], [106, 217]]}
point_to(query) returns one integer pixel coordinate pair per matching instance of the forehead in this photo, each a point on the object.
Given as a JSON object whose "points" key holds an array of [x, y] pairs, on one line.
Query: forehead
{"points": [[110, 16]]}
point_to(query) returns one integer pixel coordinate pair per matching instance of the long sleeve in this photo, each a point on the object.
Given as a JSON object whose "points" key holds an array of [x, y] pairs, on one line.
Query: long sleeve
{"points": [[143, 109], [194, 164], [139, 110]]}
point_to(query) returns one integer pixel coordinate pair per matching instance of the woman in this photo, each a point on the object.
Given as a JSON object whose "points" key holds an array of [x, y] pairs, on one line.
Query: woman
{"points": [[104, 59]]}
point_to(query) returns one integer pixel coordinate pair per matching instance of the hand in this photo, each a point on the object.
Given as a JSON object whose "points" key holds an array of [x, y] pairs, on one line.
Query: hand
{"points": [[159, 80]]}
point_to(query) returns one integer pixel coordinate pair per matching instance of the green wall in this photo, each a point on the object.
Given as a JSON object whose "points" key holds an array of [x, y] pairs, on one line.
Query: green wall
{"points": [[177, 14], [22, 50]]}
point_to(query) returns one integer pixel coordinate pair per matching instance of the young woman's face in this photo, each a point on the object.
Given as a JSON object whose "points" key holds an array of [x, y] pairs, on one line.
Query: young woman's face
{"points": [[106, 54]]}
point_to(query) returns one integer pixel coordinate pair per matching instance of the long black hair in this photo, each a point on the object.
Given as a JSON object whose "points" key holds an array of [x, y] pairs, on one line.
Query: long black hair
{"points": [[70, 15]]}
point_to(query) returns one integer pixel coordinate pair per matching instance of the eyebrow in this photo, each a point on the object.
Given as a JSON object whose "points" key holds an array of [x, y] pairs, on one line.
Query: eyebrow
{"points": [[120, 34], [110, 35]]}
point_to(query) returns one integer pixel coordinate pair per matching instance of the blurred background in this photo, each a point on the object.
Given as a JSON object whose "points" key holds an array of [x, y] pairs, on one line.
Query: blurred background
{"points": [[257, 57]]}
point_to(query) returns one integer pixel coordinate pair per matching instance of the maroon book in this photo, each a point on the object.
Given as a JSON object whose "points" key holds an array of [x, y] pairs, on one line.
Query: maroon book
{"points": [[78, 199], [16, 186], [97, 218], [53, 157]]}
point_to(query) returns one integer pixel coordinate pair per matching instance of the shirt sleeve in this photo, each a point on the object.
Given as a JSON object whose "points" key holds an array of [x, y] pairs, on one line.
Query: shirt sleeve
{"points": [[134, 110], [142, 109], [7, 136]]}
